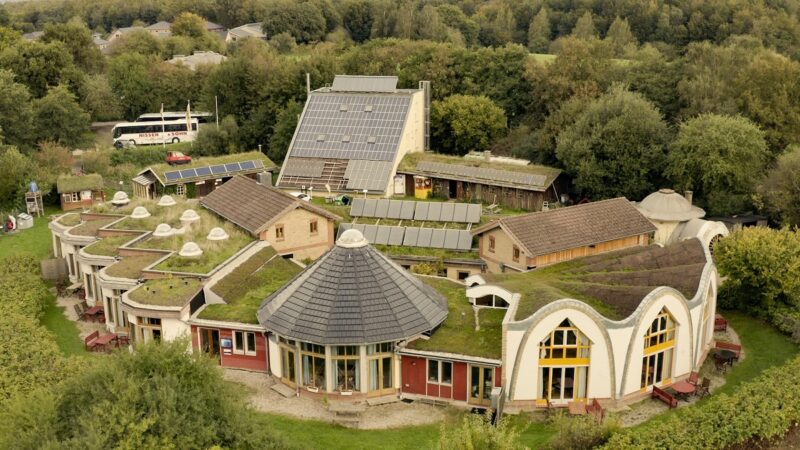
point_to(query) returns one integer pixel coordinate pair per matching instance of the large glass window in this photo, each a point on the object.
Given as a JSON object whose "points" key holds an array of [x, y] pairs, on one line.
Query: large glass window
{"points": [[148, 329], [440, 372], [659, 344], [244, 343], [564, 364], [380, 360], [347, 376], [313, 365]]}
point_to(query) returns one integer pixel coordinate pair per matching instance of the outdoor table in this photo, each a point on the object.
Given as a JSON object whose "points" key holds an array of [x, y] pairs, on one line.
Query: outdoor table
{"points": [[684, 388], [725, 355], [93, 311], [104, 340]]}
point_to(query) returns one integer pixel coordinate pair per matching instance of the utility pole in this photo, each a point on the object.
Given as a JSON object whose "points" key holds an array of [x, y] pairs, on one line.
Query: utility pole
{"points": [[216, 110]]}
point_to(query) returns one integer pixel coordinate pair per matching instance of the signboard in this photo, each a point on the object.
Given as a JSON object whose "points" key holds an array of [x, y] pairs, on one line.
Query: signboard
{"points": [[226, 343]]}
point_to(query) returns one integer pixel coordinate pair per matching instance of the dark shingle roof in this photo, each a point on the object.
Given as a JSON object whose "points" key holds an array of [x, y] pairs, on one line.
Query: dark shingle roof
{"points": [[353, 295], [254, 206], [551, 231]]}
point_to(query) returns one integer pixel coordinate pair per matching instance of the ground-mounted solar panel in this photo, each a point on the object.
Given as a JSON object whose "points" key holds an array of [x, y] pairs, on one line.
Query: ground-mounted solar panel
{"points": [[447, 212], [382, 208], [473, 213], [247, 165], [218, 170], [369, 207], [369, 233], [411, 235], [203, 171], [407, 210], [396, 235], [395, 207], [424, 238], [172, 176], [357, 207], [434, 211], [464, 240], [460, 212], [451, 239], [188, 173], [421, 211], [437, 238], [382, 235]]}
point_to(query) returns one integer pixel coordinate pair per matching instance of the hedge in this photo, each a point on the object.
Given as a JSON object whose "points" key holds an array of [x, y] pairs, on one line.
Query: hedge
{"points": [[764, 408]]}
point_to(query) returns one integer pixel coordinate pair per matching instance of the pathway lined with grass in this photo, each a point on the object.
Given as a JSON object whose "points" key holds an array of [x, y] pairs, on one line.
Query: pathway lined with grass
{"points": [[65, 331]]}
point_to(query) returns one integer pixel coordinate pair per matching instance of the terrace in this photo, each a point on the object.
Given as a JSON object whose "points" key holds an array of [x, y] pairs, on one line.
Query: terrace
{"points": [[248, 285]]}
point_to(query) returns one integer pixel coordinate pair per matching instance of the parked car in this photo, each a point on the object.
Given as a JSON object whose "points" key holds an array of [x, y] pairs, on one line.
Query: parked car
{"points": [[301, 196], [175, 158]]}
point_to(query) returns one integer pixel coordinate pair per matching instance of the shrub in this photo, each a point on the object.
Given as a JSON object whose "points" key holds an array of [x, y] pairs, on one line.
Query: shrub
{"points": [[761, 409], [477, 432], [578, 433]]}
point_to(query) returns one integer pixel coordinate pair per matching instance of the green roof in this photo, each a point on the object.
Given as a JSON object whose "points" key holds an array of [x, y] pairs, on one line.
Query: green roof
{"points": [[612, 283], [166, 291], [160, 169], [131, 266], [409, 165], [88, 182], [246, 287], [108, 246], [457, 333], [90, 227]]}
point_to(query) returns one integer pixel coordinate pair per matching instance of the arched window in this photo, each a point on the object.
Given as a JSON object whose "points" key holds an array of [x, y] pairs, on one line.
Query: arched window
{"points": [[563, 364], [659, 345]]}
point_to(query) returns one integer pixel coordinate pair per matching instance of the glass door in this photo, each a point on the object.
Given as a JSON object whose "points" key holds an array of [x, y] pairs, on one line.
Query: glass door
{"points": [[380, 376], [480, 385], [209, 342], [289, 373]]}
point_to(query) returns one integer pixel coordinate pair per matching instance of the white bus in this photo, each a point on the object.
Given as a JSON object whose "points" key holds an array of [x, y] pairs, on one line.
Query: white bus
{"points": [[202, 117], [144, 133]]}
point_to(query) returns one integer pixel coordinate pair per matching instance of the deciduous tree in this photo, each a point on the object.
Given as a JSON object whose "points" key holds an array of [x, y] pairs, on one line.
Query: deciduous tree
{"points": [[539, 32], [779, 191], [357, 19], [16, 118], [462, 123], [59, 117]]}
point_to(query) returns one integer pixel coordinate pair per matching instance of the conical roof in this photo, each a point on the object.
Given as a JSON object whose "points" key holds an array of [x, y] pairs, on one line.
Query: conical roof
{"points": [[669, 206], [353, 295]]}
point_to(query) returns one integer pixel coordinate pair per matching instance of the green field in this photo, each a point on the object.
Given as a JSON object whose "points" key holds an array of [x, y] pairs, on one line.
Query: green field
{"points": [[64, 331], [35, 240]]}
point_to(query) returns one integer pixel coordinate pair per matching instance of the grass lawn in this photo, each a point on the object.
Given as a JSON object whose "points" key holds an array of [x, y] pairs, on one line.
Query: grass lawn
{"points": [[36, 240], [64, 330]]}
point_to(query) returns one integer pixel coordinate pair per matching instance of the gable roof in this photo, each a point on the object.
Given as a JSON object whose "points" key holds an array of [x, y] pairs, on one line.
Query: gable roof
{"points": [[353, 295], [254, 206], [88, 182], [163, 25], [248, 30], [559, 229]]}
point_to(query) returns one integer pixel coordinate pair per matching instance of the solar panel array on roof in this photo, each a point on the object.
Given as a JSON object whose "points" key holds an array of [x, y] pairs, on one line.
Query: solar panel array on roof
{"points": [[303, 167], [484, 173], [411, 210], [218, 170], [370, 175], [324, 116], [356, 83], [412, 236]]}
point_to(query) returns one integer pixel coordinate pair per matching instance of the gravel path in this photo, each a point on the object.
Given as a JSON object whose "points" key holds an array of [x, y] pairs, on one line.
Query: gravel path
{"points": [[391, 415]]}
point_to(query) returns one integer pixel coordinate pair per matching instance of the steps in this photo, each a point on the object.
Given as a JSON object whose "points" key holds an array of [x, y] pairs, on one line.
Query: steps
{"points": [[284, 390]]}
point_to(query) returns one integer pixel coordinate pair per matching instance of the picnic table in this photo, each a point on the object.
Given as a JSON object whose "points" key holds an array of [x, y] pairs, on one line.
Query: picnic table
{"points": [[725, 355], [684, 388], [105, 340], [93, 313]]}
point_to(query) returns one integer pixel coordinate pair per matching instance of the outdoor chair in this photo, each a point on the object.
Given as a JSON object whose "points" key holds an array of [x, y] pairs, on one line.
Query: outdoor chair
{"points": [[78, 311], [720, 365], [694, 377], [89, 341], [704, 389]]}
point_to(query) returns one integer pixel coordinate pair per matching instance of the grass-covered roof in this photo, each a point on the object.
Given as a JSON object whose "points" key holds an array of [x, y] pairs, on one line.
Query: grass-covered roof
{"points": [[77, 183], [160, 169], [166, 291]]}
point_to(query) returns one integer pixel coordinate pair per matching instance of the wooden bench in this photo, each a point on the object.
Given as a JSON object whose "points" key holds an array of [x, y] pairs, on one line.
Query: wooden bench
{"points": [[89, 341], [735, 348], [665, 397], [594, 409], [720, 324]]}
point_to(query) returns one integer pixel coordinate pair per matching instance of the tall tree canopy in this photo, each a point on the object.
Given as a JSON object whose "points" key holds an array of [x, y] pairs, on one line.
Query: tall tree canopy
{"points": [[779, 191], [462, 123]]}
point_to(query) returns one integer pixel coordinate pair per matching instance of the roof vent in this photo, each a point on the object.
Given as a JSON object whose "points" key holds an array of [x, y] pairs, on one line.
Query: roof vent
{"points": [[346, 138], [343, 108], [163, 230], [140, 212], [368, 108], [320, 137], [371, 140], [190, 215], [217, 234], [352, 238], [166, 200], [120, 198], [190, 249]]}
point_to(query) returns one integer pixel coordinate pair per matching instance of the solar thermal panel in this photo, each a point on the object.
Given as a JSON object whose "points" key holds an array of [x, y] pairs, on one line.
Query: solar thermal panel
{"points": [[357, 207], [303, 167], [473, 213], [464, 240], [424, 238], [382, 235], [434, 211], [451, 239], [395, 207], [460, 212], [382, 208], [411, 235], [421, 212], [407, 210], [437, 238], [369, 207], [396, 235]]}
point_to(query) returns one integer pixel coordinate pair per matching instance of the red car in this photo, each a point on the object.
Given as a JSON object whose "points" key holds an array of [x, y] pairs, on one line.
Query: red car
{"points": [[175, 158]]}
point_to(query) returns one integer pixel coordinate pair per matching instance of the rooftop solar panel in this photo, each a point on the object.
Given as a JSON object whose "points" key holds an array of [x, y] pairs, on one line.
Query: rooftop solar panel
{"points": [[395, 206], [396, 235], [218, 170], [188, 173], [203, 171], [232, 167], [434, 211], [357, 207], [421, 213], [382, 208], [437, 238], [460, 212], [382, 235], [369, 233], [247, 165], [258, 163], [369, 207], [363, 83], [323, 115], [484, 173], [303, 167], [369, 175], [424, 238], [473, 213], [410, 238], [447, 212], [464, 240], [172, 176], [407, 210], [451, 239]]}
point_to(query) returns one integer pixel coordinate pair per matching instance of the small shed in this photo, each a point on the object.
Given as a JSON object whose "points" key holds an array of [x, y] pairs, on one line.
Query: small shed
{"points": [[80, 191]]}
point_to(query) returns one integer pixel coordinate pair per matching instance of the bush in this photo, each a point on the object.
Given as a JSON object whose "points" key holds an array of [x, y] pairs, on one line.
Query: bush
{"points": [[764, 408], [579, 433], [477, 432], [139, 157]]}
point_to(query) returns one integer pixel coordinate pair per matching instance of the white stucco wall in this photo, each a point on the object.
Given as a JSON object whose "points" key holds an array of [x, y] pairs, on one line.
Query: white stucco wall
{"points": [[274, 356]]}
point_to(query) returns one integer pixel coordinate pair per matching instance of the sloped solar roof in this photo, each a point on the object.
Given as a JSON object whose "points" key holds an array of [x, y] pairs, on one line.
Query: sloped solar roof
{"points": [[362, 83], [483, 173], [220, 170], [370, 175]]}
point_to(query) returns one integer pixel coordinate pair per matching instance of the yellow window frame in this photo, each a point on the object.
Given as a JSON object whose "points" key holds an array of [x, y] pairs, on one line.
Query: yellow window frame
{"points": [[579, 348]]}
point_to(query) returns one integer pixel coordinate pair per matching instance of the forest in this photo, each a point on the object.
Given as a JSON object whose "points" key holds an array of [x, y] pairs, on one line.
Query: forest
{"points": [[626, 97]]}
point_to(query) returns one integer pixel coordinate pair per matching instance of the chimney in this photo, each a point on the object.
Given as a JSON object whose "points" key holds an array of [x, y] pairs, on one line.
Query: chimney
{"points": [[308, 83], [688, 195]]}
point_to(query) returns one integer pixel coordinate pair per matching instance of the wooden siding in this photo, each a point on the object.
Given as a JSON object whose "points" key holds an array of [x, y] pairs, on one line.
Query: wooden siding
{"points": [[578, 252], [485, 193], [258, 362]]}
